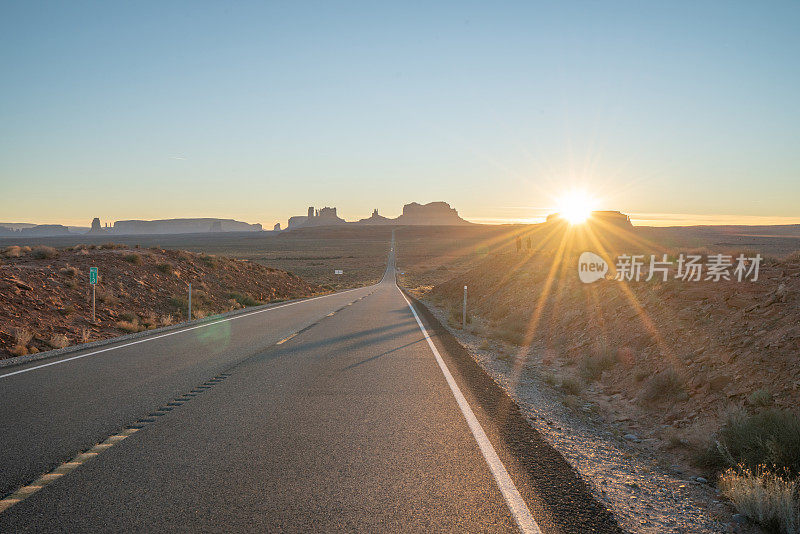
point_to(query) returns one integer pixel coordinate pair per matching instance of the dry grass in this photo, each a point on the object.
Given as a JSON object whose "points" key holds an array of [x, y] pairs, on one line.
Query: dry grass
{"points": [[769, 499], [167, 320], [133, 258], [768, 438], [591, 367], [150, 320], [85, 336], [128, 326], [666, 385], [761, 398], [69, 271], [42, 252], [106, 295], [22, 336], [571, 386], [12, 252], [58, 341]]}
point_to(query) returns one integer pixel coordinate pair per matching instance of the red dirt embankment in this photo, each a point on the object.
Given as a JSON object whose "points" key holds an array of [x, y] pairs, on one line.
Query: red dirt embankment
{"points": [[46, 299], [664, 357]]}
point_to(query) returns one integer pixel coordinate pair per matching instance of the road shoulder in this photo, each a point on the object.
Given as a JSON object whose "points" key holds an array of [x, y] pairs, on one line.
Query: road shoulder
{"points": [[558, 497]]}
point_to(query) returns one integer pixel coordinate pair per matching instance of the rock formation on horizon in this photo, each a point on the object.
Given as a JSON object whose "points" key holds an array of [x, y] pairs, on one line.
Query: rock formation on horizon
{"points": [[183, 226], [97, 228], [322, 217], [432, 213], [376, 218]]}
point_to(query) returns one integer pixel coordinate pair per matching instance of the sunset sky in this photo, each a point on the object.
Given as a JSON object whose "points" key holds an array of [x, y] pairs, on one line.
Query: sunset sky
{"points": [[674, 112]]}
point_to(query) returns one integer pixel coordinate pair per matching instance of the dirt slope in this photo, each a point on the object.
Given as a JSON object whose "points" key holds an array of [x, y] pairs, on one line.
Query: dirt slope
{"points": [[665, 358], [45, 296]]}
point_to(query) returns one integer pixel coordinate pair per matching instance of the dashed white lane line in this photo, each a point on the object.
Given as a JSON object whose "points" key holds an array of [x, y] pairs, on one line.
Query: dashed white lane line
{"points": [[144, 340], [516, 504]]}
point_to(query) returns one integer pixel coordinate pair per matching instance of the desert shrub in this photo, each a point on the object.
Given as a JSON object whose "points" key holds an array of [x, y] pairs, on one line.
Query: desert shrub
{"points": [[164, 268], [770, 438], [19, 350], [106, 295], [167, 320], [69, 271], [769, 499], [570, 386], [12, 252], [550, 379], [150, 320], [111, 246], [66, 310], [42, 252], [211, 261], [128, 326], [456, 317], [591, 367], [641, 374], [573, 402], [760, 398], [25, 249], [86, 335], [244, 300], [666, 384], [509, 336], [127, 316], [179, 304], [58, 341], [22, 336], [133, 258]]}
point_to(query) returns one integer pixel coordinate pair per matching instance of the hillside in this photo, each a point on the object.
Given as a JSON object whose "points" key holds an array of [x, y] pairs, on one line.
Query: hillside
{"points": [[45, 296], [665, 359]]}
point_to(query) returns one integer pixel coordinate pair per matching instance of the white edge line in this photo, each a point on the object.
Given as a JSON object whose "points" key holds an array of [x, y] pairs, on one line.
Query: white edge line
{"points": [[180, 331], [516, 504]]}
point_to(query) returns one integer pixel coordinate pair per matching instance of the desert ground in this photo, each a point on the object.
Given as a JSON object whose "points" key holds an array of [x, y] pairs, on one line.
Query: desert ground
{"points": [[670, 377]]}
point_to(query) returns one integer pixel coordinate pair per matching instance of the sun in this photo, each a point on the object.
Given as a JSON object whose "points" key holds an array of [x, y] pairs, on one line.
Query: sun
{"points": [[575, 206]]}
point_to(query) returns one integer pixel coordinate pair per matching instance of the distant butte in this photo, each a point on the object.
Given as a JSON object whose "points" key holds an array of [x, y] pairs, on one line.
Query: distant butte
{"points": [[414, 214]]}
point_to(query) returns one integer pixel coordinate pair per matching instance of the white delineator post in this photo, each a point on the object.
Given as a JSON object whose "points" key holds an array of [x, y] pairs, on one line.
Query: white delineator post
{"points": [[190, 302], [464, 311], [94, 320]]}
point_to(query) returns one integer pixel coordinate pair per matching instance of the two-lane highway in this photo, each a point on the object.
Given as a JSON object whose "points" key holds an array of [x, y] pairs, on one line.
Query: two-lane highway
{"points": [[334, 414]]}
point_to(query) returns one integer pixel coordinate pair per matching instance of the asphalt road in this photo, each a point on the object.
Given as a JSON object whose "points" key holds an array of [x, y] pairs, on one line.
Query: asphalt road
{"points": [[360, 421]]}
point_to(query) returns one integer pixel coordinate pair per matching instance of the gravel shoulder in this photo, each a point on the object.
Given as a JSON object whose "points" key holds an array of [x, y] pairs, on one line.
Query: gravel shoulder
{"points": [[645, 494]]}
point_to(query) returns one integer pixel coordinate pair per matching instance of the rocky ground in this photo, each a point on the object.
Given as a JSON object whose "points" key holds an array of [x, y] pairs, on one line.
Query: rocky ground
{"points": [[631, 380], [646, 493], [46, 299]]}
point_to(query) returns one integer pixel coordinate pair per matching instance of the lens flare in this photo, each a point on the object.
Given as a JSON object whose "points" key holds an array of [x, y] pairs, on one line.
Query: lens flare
{"points": [[575, 206]]}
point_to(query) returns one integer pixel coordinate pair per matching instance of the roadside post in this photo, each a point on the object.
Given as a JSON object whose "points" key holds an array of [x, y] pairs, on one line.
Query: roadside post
{"points": [[190, 301], [93, 282], [464, 311]]}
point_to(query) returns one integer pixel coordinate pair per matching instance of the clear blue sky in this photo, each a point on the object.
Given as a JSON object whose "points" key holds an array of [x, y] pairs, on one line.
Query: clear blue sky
{"points": [[257, 110]]}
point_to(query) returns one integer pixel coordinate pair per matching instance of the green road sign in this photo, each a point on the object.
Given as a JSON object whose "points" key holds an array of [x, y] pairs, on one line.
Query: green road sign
{"points": [[93, 275]]}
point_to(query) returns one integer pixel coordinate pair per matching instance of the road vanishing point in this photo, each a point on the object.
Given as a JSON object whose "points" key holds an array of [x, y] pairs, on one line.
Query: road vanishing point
{"points": [[350, 412]]}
